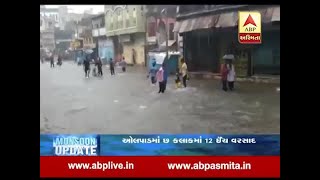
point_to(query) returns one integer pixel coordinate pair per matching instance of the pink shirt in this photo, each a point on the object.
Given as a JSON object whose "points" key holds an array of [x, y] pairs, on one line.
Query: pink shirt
{"points": [[160, 75]]}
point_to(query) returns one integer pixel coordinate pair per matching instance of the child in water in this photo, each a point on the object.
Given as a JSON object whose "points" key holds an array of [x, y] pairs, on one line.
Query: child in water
{"points": [[177, 80]]}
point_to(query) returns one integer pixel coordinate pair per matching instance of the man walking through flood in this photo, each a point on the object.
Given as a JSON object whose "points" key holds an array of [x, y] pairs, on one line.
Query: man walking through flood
{"points": [[184, 72], [51, 61], [123, 64], [86, 64], [99, 65], [111, 64]]}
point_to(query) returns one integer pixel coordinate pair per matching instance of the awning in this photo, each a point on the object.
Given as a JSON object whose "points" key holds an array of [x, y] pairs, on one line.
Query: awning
{"points": [[190, 25], [183, 26], [203, 22], [177, 25], [170, 43], [269, 15], [276, 14], [227, 20]]}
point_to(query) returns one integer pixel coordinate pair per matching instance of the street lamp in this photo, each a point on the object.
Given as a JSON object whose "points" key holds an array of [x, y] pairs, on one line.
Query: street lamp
{"points": [[165, 13]]}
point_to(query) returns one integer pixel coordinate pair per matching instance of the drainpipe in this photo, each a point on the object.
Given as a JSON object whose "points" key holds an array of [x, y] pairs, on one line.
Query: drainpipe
{"points": [[164, 12]]}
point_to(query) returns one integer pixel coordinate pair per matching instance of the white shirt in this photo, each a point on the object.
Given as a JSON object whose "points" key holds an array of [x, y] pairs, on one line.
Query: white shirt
{"points": [[231, 74], [184, 69]]}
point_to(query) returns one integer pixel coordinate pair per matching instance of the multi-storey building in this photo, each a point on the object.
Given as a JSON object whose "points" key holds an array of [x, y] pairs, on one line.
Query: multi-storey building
{"points": [[84, 33], [125, 31], [47, 39], [160, 24], [104, 50], [52, 13]]}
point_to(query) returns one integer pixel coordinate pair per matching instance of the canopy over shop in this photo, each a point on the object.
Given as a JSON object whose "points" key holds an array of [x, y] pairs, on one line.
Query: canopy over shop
{"points": [[207, 38]]}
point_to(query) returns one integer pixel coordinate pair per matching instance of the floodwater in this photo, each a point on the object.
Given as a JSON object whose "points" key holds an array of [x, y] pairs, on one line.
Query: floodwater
{"points": [[128, 104]]}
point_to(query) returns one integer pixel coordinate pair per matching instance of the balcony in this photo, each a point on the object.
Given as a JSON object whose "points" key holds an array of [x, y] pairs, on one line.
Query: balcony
{"points": [[99, 32], [95, 32], [102, 31]]}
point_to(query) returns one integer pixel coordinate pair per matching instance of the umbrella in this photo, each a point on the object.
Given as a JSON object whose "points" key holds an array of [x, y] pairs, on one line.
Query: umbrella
{"points": [[88, 51], [228, 56]]}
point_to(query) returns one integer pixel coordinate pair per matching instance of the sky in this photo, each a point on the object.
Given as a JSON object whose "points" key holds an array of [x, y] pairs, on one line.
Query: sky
{"points": [[81, 8]]}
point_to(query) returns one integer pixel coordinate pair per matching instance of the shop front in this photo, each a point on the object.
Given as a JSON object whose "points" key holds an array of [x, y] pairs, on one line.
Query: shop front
{"points": [[207, 38], [106, 50]]}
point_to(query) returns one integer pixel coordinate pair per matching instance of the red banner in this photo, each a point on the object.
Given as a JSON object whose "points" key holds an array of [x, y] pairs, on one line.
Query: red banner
{"points": [[160, 166]]}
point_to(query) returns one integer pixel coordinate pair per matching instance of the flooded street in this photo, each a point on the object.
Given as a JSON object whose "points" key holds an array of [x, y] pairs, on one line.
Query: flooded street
{"points": [[127, 103]]}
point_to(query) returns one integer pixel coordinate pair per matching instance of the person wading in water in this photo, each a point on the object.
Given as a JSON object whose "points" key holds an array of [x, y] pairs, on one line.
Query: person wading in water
{"points": [[86, 65], [184, 72], [111, 64], [52, 61], [224, 76]]}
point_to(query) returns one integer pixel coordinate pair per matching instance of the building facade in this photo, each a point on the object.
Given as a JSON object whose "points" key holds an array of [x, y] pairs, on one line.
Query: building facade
{"points": [[210, 31], [63, 13], [52, 13], [47, 39], [58, 14], [104, 49], [84, 32], [126, 32], [160, 24]]}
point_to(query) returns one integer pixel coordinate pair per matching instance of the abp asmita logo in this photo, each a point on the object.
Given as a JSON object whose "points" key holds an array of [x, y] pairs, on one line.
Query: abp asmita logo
{"points": [[249, 27]]}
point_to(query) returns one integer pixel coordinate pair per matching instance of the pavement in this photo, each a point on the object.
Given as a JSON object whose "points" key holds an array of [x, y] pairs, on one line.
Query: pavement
{"points": [[128, 104]]}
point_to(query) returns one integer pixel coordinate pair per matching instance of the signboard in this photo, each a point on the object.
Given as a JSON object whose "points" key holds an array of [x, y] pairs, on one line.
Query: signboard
{"points": [[125, 38], [76, 44], [249, 27]]}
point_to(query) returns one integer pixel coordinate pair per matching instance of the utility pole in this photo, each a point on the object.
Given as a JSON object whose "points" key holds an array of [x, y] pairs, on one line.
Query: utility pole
{"points": [[146, 35], [167, 35], [164, 11], [78, 30]]}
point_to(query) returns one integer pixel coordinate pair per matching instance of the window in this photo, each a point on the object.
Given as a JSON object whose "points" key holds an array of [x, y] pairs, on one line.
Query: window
{"points": [[120, 21], [127, 19], [102, 23], [111, 23], [171, 33], [107, 23], [142, 11], [152, 29], [115, 22], [134, 17]]}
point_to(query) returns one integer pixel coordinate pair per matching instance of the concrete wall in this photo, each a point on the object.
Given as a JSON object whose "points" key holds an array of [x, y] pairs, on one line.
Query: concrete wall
{"points": [[137, 44], [267, 55]]}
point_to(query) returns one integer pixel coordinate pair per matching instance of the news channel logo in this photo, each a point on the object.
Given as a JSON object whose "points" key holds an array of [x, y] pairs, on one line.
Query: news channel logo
{"points": [[249, 27], [75, 145]]}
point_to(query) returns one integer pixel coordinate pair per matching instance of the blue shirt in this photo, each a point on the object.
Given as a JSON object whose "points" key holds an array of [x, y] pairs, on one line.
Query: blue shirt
{"points": [[153, 71], [165, 73]]}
